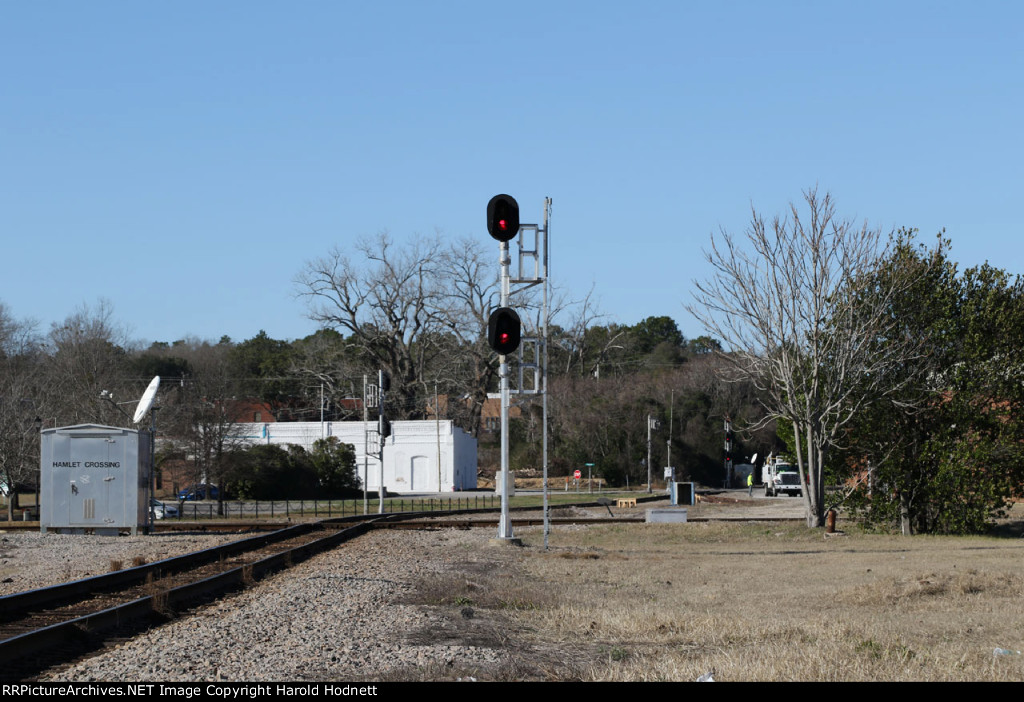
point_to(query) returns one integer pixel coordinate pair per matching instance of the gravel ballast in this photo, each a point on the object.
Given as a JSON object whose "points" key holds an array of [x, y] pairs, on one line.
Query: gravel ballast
{"points": [[335, 617], [30, 560]]}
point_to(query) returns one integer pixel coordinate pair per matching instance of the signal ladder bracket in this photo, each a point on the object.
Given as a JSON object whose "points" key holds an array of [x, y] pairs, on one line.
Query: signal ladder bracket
{"points": [[372, 447], [533, 268], [372, 396], [532, 262], [526, 373]]}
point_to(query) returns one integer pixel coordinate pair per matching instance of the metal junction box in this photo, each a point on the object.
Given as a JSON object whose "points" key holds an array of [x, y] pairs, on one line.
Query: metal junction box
{"points": [[94, 479]]}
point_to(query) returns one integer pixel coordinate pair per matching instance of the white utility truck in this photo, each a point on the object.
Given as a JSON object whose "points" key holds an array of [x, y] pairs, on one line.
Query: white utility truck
{"points": [[780, 475]]}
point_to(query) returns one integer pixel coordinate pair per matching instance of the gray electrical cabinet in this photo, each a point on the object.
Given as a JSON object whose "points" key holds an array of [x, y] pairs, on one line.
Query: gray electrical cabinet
{"points": [[93, 479]]}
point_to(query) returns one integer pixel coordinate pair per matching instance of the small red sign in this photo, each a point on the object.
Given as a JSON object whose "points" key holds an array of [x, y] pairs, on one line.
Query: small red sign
{"points": [[577, 474]]}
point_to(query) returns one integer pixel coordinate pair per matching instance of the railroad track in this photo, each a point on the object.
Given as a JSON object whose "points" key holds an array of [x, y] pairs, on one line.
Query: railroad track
{"points": [[54, 625]]}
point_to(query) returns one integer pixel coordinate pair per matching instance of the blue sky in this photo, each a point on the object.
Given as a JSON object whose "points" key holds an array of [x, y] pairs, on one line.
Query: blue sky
{"points": [[183, 160]]}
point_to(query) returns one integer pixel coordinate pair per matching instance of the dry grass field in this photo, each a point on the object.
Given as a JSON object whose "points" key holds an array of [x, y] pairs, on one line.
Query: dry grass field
{"points": [[743, 600]]}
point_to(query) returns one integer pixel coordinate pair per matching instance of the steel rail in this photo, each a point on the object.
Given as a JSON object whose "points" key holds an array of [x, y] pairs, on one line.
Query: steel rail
{"points": [[19, 653], [22, 654]]}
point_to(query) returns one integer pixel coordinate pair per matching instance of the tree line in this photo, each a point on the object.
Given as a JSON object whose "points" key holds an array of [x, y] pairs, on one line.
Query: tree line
{"points": [[892, 377], [85, 369]]}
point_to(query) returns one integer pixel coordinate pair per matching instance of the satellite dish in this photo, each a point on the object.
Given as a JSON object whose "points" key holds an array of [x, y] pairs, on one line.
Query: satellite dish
{"points": [[754, 459], [147, 400]]}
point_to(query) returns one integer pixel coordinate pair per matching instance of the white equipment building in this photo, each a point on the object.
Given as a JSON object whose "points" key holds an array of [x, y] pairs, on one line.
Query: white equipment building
{"points": [[419, 456]]}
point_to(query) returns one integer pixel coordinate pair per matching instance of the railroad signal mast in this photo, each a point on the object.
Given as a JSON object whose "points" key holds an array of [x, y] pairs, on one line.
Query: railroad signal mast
{"points": [[384, 430], [375, 438], [504, 329], [728, 452]]}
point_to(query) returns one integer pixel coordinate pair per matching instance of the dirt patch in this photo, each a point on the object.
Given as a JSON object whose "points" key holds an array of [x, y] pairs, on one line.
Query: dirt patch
{"points": [[469, 605], [479, 585], [462, 626]]}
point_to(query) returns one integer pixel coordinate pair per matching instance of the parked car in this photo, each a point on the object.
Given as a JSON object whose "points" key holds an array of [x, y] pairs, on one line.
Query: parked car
{"points": [[162, 510], [199, 492]]}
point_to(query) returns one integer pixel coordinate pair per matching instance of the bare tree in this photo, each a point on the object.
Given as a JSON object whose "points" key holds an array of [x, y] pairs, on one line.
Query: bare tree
{"points": [[20, 385], [789, 313], [388, 302], [330, 366], [88, 354], [419, 312], [208, 414], [468, 367], [582, 351]]}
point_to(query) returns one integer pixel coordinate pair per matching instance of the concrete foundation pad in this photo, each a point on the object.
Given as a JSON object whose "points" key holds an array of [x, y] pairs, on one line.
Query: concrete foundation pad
{"points": [[666, 516]]}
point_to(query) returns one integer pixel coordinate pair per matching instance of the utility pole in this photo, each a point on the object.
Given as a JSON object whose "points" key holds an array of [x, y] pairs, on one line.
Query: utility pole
{"points": [[383, 430], [152, 467], [652, 424], [668, 442], [437, 427], [366, 451]]}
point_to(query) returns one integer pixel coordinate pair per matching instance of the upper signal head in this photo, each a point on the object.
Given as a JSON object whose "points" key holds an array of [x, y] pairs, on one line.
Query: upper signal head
{"points": [[503, 217]]}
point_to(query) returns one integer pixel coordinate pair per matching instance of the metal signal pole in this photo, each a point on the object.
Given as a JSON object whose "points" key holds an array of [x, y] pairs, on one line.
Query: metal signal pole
{"points": [[366, 453], [544, 370], [650, 426], [505, 523], [383, 385]]}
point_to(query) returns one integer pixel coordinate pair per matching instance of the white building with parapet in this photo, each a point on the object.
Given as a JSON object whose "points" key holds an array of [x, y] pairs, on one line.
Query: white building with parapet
{"points": [[419, 456]]}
